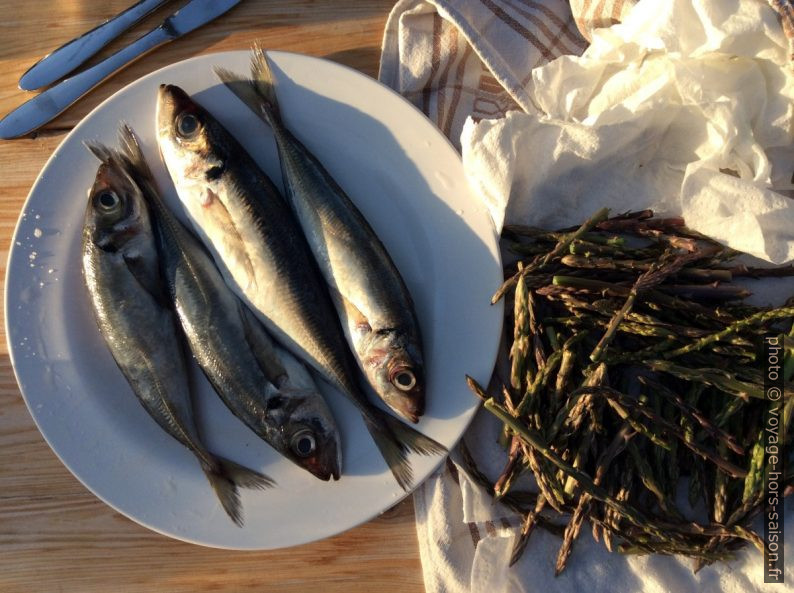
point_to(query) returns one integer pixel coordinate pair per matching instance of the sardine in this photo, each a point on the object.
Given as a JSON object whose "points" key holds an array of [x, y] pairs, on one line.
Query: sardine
{"points": [[250, 231], [121, 273], [262, 384], [370, 296]]}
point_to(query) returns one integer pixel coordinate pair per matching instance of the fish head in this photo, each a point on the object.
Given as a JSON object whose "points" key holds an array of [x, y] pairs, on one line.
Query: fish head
{"points": [[306, 432], [116, 214], [394, 367], [190, 139]]}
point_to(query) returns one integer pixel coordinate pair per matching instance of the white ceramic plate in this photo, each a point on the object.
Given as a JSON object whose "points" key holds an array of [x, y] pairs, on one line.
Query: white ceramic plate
{"points": [[407, 180]]}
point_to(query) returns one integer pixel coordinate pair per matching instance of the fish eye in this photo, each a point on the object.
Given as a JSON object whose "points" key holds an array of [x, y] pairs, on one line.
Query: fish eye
{"points": [[303, 443], [404, 380], [187, 124], [107, 200]]}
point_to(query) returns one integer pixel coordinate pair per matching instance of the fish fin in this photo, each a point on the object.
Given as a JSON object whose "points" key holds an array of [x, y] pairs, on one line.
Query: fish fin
{"points": [[225, 477], [245, 477], [258, 92], [136, 164], [103, 153], [169, 232], [244, 89], [395, 439], [392, 451], [264, 82], [149, 279], [299, 379], [131, 149], [107, 156], [261, 345], [130, 157], [226, 491], [413, 439], [352, 312]]}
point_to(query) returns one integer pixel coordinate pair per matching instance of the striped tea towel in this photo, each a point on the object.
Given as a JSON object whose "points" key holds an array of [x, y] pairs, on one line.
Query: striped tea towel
{"points": [[457, 59]]}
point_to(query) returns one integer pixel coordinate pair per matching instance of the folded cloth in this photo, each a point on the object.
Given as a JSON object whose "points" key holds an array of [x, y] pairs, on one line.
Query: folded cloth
{"points": [[478, 64]]}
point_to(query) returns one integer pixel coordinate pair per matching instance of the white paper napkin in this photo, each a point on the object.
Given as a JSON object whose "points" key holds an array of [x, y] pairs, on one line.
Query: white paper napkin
{"points": [[686, 106]]}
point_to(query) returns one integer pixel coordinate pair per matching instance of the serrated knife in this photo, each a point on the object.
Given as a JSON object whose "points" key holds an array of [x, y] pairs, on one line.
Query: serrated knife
{"points": [[46, 106]]}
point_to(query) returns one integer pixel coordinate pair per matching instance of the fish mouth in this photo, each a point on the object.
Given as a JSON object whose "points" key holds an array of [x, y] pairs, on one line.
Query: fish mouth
{"points": [[326, 464], [319, 469], [410, 409]]}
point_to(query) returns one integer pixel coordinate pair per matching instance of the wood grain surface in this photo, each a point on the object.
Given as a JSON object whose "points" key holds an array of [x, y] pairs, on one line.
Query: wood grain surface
{"points": [[54, 534]]}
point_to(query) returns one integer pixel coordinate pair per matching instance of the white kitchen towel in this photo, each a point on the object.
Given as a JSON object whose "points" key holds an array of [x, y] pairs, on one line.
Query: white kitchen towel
{"points": [[725, 67]]}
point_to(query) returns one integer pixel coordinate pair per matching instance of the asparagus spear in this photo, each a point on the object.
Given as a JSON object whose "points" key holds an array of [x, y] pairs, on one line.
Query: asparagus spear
{"points": [[632, 325]]}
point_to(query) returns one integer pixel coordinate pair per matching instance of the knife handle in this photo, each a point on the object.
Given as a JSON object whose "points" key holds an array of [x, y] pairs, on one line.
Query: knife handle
{"points": [[68, 57], [45, 106]]}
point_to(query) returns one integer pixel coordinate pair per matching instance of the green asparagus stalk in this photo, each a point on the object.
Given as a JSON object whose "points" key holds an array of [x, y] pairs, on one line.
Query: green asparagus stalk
{"points": [[558, 250], [648, 306]]}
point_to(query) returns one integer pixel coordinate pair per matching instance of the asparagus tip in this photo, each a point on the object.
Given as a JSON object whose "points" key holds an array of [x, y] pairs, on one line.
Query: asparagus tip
{"points": [[476, 388]]}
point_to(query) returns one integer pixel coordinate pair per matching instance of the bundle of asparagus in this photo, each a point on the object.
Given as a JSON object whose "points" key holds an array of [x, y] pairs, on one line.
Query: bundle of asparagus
{"points": [[635, 365]]}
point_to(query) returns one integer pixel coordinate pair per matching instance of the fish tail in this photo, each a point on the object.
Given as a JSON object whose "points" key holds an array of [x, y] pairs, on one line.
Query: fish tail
{"points": [[103, 153], [131, 149], [112, 158], [264, 82], [132, 156], [245, 477], [392, 450], [413, 439], [226, 491], [258, 92], [394, 440], [225, 476]]}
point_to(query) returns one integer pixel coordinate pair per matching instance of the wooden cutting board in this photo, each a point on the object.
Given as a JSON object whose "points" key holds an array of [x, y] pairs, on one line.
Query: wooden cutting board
{"points": [[54, 534]]}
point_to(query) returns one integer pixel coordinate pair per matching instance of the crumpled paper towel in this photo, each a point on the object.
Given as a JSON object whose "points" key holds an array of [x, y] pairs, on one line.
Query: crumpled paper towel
{"points": [[687, 106]]}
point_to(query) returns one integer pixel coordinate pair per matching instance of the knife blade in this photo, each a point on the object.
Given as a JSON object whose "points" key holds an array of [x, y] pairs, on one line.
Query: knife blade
{"points": [[45, 106], [69, 56]]}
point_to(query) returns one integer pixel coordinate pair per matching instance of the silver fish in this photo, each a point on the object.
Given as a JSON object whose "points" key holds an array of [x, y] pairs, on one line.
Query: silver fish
{"points": [[264, 257], [122, 276], [370, 296], [262, 384]]}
